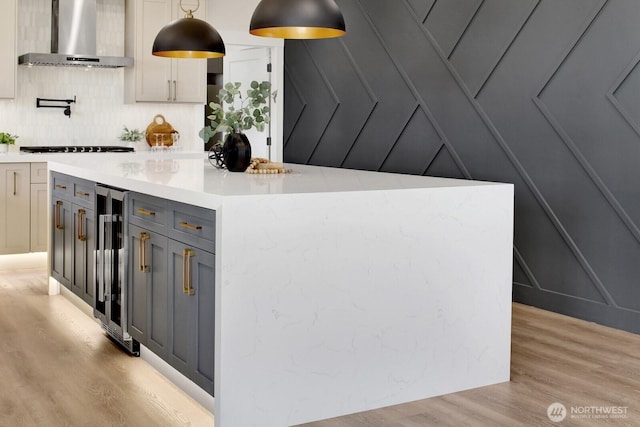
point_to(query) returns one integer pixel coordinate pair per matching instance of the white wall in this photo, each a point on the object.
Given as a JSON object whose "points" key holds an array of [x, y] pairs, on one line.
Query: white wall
{"points": [[99, 114], [232, 15]]}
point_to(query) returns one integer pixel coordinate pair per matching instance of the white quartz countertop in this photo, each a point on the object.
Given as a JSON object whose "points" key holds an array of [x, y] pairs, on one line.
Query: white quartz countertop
{"points": [[192, 179], [15, 156]]}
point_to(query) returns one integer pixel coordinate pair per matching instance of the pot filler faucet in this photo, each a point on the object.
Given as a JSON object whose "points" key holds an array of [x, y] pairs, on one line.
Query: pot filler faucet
{"points": [[67, 108]]}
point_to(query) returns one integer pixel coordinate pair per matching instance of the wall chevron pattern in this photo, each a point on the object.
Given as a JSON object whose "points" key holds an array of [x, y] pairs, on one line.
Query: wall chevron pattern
{"points": [[539, 93]]}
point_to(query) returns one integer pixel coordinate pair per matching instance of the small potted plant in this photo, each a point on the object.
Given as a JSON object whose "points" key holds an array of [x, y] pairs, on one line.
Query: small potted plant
{"points": [[241, 113], [6, 139], [130, 135]]}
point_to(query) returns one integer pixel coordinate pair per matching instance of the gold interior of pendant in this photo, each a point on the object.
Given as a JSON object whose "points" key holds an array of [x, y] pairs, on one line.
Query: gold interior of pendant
{"points": [[196, 54], [298, 32]]}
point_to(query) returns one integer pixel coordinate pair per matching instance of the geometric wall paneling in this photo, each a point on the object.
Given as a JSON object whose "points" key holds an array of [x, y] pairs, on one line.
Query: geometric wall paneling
{"points": [[320, 107], [356, 101], [396, 102], [431, 83], [488, 36], [539, 93], [448, 20], [508, 103], [555, 264], [544, 161], [294, 104], [443, 165], [610, 42], [624, 93], [604, 201], [521, 275], [423, 8], [415, 148]]}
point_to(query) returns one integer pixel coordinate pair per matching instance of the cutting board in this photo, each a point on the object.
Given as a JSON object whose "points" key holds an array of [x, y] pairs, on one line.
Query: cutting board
{"points": [[160, 132]]}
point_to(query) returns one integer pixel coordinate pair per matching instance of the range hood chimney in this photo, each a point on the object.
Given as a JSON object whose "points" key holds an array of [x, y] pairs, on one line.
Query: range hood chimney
{"points": [[73, 38]]}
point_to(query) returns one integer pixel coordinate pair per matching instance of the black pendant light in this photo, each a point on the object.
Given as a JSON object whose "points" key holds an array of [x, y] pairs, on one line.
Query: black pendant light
{"points": [[297, 19], [188, 37]]}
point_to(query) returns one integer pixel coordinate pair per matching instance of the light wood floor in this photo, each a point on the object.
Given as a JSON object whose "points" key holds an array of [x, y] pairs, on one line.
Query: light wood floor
{"points": [[58, 369]]}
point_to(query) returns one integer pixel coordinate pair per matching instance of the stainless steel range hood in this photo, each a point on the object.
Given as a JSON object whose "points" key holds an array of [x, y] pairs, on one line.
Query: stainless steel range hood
{"points": [[73, 38]]}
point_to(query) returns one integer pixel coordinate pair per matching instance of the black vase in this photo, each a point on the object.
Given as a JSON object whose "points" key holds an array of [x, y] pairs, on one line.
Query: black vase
{"points": [[236, 152]]}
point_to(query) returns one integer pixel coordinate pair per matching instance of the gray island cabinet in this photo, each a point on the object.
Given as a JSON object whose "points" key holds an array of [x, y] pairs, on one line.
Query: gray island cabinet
{"points": [[170, 274], [171, 283], [316, 293], [73, 234]]}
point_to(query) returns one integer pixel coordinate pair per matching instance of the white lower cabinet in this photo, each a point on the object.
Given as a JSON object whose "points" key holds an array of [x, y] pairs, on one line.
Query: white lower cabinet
{"points": [[23, 208], [15, 208], [39, 207]]}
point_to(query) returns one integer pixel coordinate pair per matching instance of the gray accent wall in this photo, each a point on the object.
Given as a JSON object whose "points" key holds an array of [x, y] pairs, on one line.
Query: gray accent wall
{"points": [[544, 94]]}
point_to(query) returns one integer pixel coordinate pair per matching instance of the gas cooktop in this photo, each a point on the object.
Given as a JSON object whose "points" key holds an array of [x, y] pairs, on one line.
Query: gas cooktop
{"points": [[76, 149]]}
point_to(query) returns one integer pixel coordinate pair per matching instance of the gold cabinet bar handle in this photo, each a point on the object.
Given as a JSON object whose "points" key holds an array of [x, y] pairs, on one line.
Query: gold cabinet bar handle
{"points": [[146, 212], [15, 179], [60, 186], [143, 252], [175, 90], [187, 254], [81, 215], [83, 193], [57, 215], [190, 226], [184, 271], [169, 87]]}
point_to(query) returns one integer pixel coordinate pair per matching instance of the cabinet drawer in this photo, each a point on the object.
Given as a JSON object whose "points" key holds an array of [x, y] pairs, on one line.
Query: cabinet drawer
{"points": [[84, 192], [38, 173], [61, 185], [193, 225], [148, 212]]}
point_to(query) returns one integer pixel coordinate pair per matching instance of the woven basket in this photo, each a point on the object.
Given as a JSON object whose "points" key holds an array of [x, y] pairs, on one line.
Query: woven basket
{"points": [[163, 129]]}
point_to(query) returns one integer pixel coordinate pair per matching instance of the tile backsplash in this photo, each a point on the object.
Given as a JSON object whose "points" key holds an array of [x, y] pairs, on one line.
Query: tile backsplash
{"points": [[100, 113]]}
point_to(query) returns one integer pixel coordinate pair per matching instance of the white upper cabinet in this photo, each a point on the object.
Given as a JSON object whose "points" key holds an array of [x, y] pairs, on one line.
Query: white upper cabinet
{"points": [[8, 55], [158, 79]]}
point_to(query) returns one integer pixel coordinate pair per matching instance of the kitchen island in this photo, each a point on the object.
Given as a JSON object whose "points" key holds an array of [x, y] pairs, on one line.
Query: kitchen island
{"points": [[338, 291]]}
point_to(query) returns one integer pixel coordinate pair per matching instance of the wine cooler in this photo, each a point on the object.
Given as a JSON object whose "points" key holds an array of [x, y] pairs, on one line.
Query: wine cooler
{"points": [[110, 305]]}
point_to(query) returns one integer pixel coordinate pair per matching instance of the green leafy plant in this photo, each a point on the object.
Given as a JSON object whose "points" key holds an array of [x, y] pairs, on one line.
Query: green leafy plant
{"points": [[7, 138], [241, 113], [131, 135], [206, 133]]}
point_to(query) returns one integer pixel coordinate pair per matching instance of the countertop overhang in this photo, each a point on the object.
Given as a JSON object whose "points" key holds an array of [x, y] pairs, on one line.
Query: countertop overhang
{"points": [[191, 178]]}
